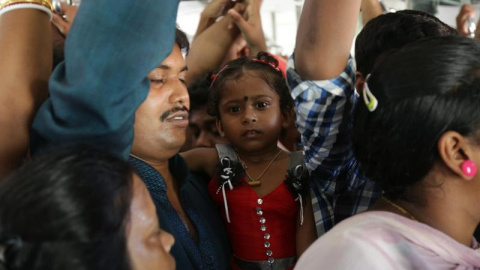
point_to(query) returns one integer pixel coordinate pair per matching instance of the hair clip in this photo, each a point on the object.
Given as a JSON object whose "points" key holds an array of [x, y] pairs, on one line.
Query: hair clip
{"points": [[13, 242], [215, 75], [267, 63], [369, 99]]}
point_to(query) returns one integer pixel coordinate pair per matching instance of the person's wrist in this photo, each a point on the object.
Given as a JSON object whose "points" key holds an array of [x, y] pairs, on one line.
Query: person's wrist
{"points": [[45, 3], [10, 5], [207, 17]]}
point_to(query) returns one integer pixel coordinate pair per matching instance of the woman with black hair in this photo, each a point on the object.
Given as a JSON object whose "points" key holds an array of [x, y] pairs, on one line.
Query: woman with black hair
{"points": [[417, 136], [80, 209]]}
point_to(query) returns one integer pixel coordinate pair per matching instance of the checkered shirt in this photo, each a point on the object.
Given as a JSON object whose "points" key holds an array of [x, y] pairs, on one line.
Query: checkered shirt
{"points": [[324, 118]]}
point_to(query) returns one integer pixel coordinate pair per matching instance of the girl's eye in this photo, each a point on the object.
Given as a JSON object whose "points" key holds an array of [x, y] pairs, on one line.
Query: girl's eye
{"points": [[262, 104], [234, 109]]}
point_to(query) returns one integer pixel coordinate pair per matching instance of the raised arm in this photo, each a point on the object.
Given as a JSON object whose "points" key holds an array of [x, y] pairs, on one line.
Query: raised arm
{"points": [[321, 76], [210, 47], [211, 13], [370, 10], [25, 66], [251, 28], [111, 47], [324, 37]]}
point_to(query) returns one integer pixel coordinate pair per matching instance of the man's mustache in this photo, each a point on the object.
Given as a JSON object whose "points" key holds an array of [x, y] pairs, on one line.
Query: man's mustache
{"points": [[166, 114]]}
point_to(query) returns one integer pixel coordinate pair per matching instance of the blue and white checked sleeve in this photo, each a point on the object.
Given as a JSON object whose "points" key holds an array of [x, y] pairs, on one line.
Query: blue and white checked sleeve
{"points": [[324, 117]]}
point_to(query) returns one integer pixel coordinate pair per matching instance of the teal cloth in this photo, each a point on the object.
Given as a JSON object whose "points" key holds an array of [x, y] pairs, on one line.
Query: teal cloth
{"points": [[112, 46]]}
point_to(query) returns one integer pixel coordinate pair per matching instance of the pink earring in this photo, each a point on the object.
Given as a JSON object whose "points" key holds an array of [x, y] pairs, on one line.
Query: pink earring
{"points": [[469, 168]]}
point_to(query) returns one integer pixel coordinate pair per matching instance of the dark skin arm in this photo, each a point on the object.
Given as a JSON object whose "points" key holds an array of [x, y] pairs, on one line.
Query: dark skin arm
{"points": [[210, 47], [251, 28], [306, 233], [209, 15], [317, 39], [25, 64], [370, 10], [201, 160]]}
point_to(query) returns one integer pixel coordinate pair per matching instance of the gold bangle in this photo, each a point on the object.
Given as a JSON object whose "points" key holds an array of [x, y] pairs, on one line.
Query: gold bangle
{"points": [[45, 3]]}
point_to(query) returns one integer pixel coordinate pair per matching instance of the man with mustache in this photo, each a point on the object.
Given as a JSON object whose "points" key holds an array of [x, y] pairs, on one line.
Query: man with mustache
{"points": [[159, 133], [100, 95]]}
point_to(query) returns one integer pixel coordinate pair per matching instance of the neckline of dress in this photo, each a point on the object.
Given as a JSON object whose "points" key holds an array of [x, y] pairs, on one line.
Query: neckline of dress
{"points": [[266, 195]]}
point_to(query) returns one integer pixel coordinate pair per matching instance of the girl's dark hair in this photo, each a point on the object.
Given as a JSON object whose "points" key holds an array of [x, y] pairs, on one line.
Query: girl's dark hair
{"points": [[66, 210], [423, 90], [266, 69]]}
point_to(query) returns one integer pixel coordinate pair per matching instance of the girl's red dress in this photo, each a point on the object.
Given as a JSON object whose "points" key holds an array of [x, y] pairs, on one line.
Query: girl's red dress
{"points": [[260, 228]]}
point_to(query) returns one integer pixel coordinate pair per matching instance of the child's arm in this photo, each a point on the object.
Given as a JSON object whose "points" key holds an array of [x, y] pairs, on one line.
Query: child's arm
{"points": [[201, 160], [321, 77], [306, 233]]}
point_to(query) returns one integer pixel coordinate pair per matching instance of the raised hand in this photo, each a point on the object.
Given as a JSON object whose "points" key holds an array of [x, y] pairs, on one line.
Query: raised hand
{"points": [[464, 19], [216, 8], [250, 24]]}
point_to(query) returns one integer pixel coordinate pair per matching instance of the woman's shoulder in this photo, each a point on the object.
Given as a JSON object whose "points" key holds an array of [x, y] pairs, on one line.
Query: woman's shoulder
{"points": [[359, 242], [384, 240]]}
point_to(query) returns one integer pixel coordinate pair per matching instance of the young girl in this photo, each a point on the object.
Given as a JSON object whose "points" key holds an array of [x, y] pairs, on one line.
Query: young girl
{"points": [[268, 213]]}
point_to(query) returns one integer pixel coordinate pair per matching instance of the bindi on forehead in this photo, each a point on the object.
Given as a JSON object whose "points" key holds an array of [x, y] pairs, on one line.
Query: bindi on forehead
{"points": [[245, 98]]}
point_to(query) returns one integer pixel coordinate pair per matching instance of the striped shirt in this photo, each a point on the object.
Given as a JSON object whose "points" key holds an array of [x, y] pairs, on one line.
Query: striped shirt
{"points": [[324, 118]]}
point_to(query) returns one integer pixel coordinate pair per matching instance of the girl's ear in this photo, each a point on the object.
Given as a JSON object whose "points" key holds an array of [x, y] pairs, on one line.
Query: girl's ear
{"points": [[220, 127], [287, 118], [455, 151]]}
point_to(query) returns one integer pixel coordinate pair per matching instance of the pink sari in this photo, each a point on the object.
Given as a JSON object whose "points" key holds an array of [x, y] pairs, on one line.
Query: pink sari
{"points": [[383, 240]]}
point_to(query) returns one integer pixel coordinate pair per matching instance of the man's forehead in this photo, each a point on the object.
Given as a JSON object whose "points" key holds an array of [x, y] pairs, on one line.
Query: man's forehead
{"points": [[167, 67], [173, 61]]}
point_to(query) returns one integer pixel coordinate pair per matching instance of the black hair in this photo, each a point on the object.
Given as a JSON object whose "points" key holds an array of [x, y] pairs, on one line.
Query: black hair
{"points": [[198, 92], [266, 69], [391, 31], [181, 40], [423, 90], [66, 210]]}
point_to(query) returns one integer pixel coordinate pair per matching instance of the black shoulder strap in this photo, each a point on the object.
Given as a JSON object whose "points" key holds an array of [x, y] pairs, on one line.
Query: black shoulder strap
{"points": [[296, 158], [226, 150]]}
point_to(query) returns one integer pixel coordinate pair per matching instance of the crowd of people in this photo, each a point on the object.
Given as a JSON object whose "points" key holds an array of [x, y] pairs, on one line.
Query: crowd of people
{"points": [[125, 146]]}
